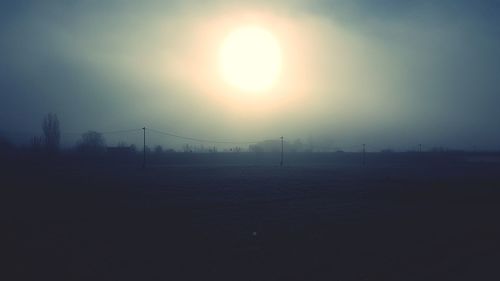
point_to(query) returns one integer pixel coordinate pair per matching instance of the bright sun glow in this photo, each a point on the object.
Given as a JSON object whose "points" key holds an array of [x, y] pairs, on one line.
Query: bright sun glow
{"points": [[250, 59]]}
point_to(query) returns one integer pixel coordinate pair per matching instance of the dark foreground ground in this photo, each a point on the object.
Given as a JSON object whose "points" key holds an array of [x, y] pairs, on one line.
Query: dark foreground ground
{"points": [[402, 217]]}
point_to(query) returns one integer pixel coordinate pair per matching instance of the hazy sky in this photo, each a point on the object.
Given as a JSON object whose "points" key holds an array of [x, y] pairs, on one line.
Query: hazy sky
{"points": [[390, 73]]}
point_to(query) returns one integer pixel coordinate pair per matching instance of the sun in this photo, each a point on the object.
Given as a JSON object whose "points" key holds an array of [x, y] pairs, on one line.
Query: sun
{"points": [[250, 59]]}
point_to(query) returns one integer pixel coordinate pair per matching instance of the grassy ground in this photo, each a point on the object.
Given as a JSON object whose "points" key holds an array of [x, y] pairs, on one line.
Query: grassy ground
{"points": [[399, 218]]}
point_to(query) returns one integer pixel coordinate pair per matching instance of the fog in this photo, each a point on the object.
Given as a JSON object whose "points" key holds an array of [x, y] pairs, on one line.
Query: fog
{"points": [[391, 74]]}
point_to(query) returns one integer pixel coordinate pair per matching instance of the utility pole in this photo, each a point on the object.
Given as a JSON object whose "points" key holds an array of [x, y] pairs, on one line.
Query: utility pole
{"points": [[281, 162], [420, 147], [144, 149], [364, 154]]}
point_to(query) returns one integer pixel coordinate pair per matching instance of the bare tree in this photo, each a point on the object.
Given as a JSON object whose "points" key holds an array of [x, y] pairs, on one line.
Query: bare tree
{"points": [[187, 148], [36, 143], [158, 149], [52, 133], [92, 142]]}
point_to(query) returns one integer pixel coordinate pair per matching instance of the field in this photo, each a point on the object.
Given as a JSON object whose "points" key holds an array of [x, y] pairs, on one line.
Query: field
{"points": [[402, 216]]}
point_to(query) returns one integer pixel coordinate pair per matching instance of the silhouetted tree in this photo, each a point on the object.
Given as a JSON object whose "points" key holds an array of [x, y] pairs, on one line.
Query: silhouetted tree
{"points": [[52, 133], [187, 148], [92, 142], [133, 148], [158, 149], [36, 143]]}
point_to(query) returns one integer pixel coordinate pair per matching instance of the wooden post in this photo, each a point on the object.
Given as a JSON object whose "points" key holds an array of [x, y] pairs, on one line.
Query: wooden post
{"points": [[364, 154], [144, 148], [281, 162]]}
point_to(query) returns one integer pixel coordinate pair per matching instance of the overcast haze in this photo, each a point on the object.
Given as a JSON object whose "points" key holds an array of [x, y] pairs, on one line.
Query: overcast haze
{"points": [[387, 73]]}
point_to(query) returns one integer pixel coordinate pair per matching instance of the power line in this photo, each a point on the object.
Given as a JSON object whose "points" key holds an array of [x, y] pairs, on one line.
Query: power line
{"points": [[120, 131], [141, 129], [33, 133], [197, 139], [104, 132]]}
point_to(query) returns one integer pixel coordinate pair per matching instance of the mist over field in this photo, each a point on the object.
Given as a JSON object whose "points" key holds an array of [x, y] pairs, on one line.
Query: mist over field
{"points": [[249, 140], [389, 73]]}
